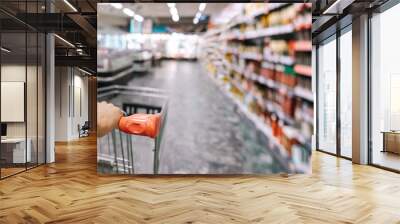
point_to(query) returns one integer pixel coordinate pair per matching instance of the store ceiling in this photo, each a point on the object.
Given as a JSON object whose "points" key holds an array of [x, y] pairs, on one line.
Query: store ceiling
{"points": [[160, 10], [160, 14], [110, 17]]}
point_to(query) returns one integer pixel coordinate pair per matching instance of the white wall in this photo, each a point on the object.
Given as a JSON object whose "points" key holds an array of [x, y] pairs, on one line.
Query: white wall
{"points": [[80, 94], [61, 103], [14, 73], [70, 83]]}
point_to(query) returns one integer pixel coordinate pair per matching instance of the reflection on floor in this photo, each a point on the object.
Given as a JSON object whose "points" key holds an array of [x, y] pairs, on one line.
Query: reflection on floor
{"points": [[10, 171], [387, 159], [71, 191]]}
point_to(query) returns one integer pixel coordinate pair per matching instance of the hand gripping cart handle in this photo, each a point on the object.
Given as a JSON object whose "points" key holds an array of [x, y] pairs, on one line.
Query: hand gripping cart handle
{"points": [[125, 150], [141, 124], [145, 125]]}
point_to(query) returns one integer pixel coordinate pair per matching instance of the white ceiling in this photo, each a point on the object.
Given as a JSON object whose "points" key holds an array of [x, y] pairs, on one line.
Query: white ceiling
{"points": [[161, 9]]}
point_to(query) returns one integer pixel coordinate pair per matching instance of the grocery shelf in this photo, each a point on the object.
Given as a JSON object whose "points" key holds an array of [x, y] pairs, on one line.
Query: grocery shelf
{"points": [[259, 123], [280, 59], [304, 93], [282, 153], [265, 68], [252, 56], [302, 26], [261, 33], [270, 31], [261, 11]]}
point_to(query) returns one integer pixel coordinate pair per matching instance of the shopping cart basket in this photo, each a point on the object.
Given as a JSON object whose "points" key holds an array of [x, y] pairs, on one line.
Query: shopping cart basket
{"points": [[142, 106]]}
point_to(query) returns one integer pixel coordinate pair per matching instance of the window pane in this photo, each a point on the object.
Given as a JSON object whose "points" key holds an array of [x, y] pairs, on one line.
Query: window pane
{"points": [[346, 94], [31, 97], [327, 97]]}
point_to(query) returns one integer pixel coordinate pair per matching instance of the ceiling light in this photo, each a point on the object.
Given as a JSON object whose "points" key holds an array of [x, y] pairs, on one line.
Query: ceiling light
{"points": [[64, 40], [5, 49], [171, 5], [70, 5], [198, 15], [116, 5], [202, 6], [175, 18], [128, 12], [139, 18], [173, 11]]}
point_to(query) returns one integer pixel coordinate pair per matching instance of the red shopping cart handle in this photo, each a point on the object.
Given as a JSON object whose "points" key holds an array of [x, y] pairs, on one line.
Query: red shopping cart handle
{"points": [[141, 124]]}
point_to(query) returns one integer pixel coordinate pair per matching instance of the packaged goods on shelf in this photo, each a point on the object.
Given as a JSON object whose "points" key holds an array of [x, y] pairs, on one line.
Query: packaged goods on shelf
{"points": [[278, 46], [268, 73], [267, 52]]}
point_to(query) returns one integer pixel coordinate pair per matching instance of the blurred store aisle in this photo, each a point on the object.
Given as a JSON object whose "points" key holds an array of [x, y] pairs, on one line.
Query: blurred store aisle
{"points": [[204, 134]]}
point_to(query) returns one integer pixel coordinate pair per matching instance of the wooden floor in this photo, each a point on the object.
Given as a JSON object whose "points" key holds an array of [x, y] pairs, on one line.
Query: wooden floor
{"points": [[387, 159], [10, 171], [70, 191]]}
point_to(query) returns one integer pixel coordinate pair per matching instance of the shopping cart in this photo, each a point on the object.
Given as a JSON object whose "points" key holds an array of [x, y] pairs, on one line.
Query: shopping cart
{"points": [[146, 110]]}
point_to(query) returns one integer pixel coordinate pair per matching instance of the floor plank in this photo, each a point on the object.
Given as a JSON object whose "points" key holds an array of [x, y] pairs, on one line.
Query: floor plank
{"points": [[70, 191]]}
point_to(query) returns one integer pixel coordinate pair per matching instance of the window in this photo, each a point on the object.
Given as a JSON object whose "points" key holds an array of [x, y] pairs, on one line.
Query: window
{"points": [[327, 96], [385, 89]]}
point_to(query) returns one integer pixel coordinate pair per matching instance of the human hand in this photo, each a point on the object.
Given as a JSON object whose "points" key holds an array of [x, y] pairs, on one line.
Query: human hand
{"points": [[108, 117]]}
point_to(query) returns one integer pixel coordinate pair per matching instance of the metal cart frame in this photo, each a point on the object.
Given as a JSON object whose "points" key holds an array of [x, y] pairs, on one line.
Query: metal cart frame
{"points": [[121, 145]]}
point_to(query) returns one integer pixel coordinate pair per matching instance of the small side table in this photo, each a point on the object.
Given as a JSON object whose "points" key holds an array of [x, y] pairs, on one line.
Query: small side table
{"points": [[391, 141]]}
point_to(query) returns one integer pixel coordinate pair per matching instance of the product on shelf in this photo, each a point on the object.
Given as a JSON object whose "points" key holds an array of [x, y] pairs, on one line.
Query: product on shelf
{"points": [[286, 78], [268, 73]]}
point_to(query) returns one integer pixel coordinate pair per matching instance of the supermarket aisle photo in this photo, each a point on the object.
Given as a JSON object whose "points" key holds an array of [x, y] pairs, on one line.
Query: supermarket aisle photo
{"points": [[227, 86]]}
